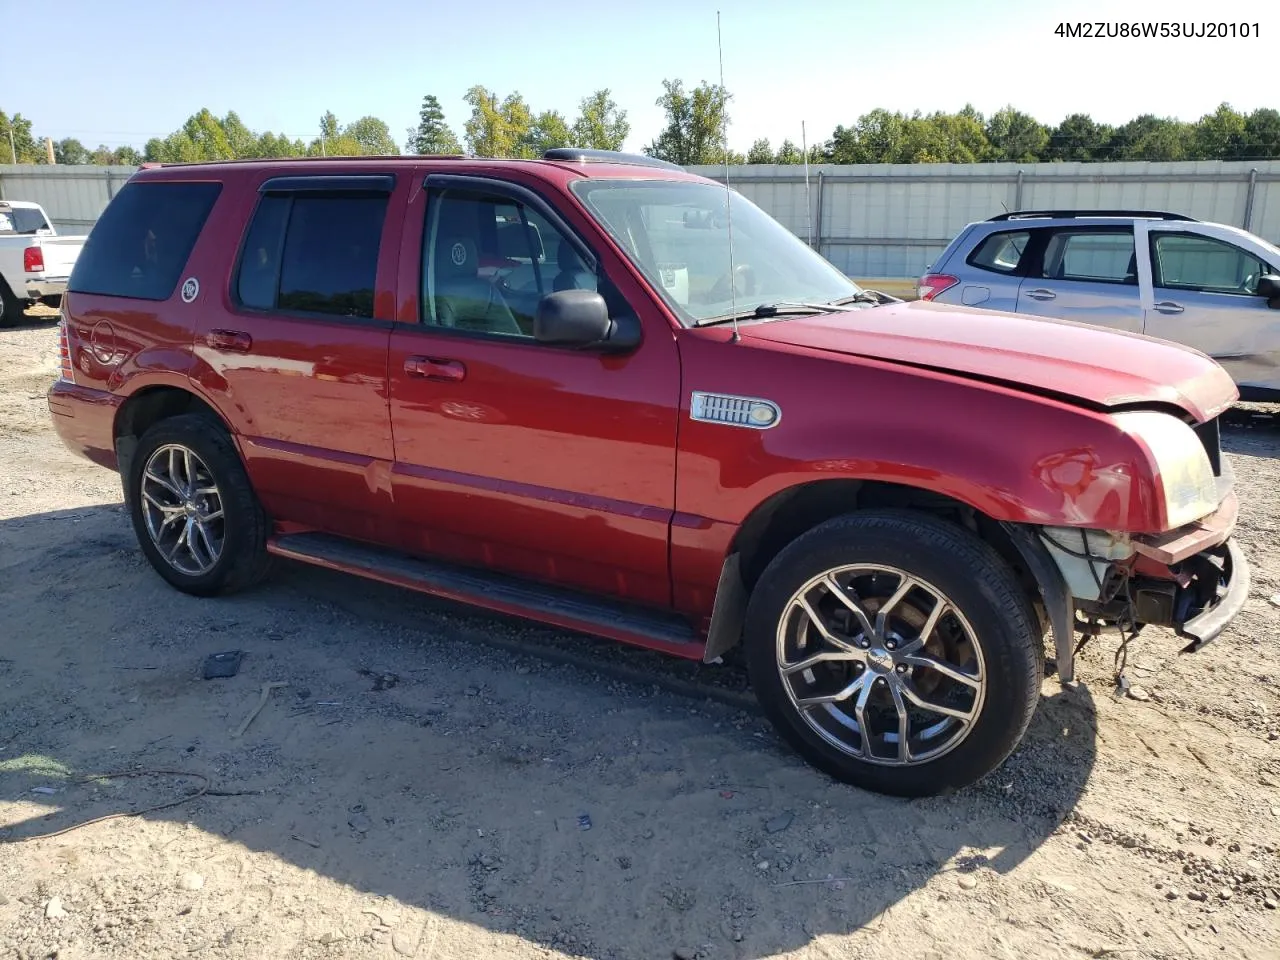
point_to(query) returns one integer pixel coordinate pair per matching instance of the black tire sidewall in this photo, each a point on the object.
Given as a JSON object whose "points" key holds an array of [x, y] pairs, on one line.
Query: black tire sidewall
{"points": [[243, 547], [976, 580]]}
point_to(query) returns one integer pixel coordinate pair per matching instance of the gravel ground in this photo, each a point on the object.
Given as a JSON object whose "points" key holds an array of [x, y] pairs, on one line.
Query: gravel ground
{"points": [[418, 788]]}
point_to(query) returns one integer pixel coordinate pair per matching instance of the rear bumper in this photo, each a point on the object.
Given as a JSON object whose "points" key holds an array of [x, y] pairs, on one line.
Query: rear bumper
{"points": [[47, 287], [84, 420]]}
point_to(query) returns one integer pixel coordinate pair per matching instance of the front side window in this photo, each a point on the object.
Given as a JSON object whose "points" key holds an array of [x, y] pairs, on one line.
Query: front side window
{"points": [[678, 235], [141, 242], [313, 253], [489, 259], [1186, 261], [1093, 256]]}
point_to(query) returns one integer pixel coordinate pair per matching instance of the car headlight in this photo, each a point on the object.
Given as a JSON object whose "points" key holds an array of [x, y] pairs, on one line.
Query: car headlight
{"points": [[1185, 475]]}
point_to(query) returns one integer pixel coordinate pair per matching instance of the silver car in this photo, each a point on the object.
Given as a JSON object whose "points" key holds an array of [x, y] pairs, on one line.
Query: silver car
{"points": [[1212, 287]]}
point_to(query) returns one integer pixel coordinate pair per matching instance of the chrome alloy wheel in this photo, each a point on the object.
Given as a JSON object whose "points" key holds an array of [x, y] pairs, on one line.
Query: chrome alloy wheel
{"points": [[881, 664], [183, 509]]}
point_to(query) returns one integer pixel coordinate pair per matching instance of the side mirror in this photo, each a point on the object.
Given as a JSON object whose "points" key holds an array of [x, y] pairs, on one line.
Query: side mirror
{"points": [[1269, 286], [572, 318]]}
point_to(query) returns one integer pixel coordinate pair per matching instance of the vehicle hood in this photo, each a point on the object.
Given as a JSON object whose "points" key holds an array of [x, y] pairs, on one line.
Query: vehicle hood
{"points": [[1090, 365]]}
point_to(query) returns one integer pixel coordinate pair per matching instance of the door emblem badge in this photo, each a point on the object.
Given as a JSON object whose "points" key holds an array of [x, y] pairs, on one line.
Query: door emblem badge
{"points": [[190, 289], [459, 254]]}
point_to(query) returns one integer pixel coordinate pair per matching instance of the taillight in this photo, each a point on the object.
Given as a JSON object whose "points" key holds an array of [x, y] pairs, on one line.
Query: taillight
{"points": [[66, 371], [33, 260], [932, 284]]}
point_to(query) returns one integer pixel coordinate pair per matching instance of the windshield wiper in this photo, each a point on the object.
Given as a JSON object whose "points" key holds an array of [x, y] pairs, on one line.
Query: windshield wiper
{"points": [[782, 308]]}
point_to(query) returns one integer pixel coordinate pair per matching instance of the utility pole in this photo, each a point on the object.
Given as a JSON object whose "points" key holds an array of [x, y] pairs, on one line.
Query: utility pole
{"points": [[12, 148], [48, 149]]}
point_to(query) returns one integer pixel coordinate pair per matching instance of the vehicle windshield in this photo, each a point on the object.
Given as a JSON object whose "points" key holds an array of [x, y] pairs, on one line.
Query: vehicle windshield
{"points": [[677, 233], [21, 220]]}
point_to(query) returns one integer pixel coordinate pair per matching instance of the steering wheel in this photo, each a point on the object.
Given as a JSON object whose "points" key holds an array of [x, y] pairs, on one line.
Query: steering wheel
{"points": [[744, 283]]}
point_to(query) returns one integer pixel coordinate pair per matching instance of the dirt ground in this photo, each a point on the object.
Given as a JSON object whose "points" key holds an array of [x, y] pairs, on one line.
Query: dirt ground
{"points": [[418, 788]]}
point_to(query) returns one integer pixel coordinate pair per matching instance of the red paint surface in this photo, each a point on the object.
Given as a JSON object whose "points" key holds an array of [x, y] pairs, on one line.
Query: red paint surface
{"points": [[584, 469]]}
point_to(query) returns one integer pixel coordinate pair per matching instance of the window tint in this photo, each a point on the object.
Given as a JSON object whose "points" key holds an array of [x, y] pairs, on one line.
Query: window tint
{"points": [[1191, 262], [1098, 256], [21, 220], [1001, 252], [313, 254], [488, 260], [141, 242]]}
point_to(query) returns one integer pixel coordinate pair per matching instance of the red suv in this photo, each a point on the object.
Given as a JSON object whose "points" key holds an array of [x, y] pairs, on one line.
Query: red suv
{"points": [[599, 392]]}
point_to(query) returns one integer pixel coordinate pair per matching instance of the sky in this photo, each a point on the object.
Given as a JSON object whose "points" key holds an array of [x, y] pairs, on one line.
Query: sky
{"points": [[118, 74]]}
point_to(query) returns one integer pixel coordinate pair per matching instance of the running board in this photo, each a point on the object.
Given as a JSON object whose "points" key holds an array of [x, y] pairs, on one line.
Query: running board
{"points": [[500, 593]]}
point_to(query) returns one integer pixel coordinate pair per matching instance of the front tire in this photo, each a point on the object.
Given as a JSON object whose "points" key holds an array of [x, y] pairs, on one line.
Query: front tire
{"points": [[895, 652], [194, 511]]}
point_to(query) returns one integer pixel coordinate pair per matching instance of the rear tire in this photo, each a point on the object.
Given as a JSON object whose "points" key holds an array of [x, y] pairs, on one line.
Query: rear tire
{"points": [[194, 511], [845, 688]]}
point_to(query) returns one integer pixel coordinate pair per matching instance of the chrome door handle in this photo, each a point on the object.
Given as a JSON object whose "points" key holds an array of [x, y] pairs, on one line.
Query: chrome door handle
{"points": [[1042, 294], [236, 340], [1167, 306], [433, 368]]}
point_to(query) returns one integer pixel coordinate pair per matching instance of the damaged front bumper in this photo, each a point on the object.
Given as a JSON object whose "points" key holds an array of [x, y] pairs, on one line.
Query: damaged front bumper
{"points": [[1194, 580]]}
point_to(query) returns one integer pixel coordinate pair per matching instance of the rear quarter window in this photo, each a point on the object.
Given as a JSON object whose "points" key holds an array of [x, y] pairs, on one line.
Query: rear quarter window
{"points": [[140, 244], [1001, 252]]}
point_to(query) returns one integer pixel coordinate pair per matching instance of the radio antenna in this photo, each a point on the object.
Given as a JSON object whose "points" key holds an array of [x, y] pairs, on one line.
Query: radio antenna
{"points": [[808, 207], [728, 194]]}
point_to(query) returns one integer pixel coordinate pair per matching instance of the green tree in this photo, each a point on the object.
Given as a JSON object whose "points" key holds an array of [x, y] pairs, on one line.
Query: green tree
{"points": [[695, 124], [788, 153], [1219, 135], [1262, 135], [1016, 136], [71, 151], [960, 137], [1079, 138], [600, 124], [1149, 137], [760, 152], [432, 135], [549, 129], [497, 129], [374, 137], [23, 147]]}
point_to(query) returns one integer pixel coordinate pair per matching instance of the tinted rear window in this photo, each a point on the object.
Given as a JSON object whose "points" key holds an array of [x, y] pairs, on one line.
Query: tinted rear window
{"points": [[1001, 252], [141, 242], [313, 253]]}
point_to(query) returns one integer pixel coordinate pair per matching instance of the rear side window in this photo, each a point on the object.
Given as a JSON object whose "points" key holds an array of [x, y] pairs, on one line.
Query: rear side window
{"points": [[1001, 252], [313, 253], [141, 242], [1092, 256]]}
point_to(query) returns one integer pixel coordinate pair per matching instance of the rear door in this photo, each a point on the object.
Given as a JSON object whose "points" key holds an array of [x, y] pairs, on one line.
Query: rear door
{"points": [[1085, 273], [1204, 293], [300, 348]]}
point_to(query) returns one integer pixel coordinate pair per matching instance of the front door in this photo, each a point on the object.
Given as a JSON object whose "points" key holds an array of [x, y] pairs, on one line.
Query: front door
{"points": [[300, 354], [550, 463], [1086, 274], [1205, 295]]}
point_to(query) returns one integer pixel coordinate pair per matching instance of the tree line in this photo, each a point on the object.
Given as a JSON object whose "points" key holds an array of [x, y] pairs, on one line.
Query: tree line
{"points": [[694, 132]]}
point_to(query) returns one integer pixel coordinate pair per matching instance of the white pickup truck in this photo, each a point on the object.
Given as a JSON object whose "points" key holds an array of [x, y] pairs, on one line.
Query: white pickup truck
{"points": [[34, 261]]}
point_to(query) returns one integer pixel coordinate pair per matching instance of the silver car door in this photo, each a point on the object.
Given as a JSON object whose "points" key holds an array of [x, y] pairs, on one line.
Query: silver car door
{"points": [[1204, 294], [1087, 274]]}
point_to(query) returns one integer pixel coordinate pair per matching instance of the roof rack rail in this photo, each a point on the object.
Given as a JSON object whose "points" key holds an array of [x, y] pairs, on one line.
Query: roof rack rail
{"points": [[581, 155], [1068, 214]]}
